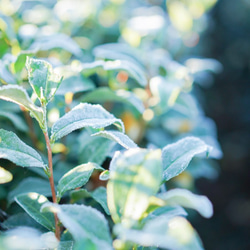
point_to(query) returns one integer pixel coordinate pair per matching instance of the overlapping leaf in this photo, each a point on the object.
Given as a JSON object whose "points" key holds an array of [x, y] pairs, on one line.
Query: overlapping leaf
{"points": [[13, 149], [83, 223], [18, 95], [176, 156], [32, 203], [84, 115]]}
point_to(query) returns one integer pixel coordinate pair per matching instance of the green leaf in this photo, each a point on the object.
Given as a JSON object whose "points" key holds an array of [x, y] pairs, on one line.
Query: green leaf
{"points": [[42, 79], [18, 95], [5, 176], [83, 223], [134, 177], [21, 219], [93, 149], [177, 156], [32, 203], [118, 137], [13, 149], [21, 60], [100, 195], [163, 232], [66, 245], [54, 41], [131, 68], [75, 84], [16, 120], [30, 184], [185, 198], [104, 94], [84, 115], [76, 177]]}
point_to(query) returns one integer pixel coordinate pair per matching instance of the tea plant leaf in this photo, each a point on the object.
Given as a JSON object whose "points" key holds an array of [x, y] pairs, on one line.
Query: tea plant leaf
{"points": [[66, 245], [54, 41], [83, 222], [42, 79], [15, 119], [134, 176], [30, 184], [21, 219], [76, 177], [13, 149], [18, 95], [75, 84], [100, 195], [185, 198], [32, 203], [118, 137], [104, 94], [19, 64], [163, 232], [84, 115], [5, 176], [177, 156], [131, 68]]}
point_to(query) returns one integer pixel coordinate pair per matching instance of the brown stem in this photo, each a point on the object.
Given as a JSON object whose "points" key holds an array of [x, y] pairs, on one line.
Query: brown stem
{"points": [[32, 133], [51, 181]]}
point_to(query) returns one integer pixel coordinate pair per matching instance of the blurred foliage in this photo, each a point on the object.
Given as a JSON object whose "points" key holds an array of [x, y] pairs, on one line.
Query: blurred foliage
{"points": [[140, 59]]}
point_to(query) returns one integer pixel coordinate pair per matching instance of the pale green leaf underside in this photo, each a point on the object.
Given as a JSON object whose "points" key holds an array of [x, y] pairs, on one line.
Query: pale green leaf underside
{"points": [[13, 149], [163, 232], [134, 177], [84, 115], [32, 203], [104, 94], [185, 198], [177, 156], [76, 177], [83, 222], [118, 137], [18, 95], [42, 79], [131, 68]]}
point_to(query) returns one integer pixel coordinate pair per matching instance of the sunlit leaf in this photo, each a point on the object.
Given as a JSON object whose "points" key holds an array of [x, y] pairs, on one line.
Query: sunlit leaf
{"points": [[19, 96], [42, 79], [118, 137], [163, 232], [57, 41], [134, 176], [32, 203], [177, 156], [84, 115], [131, 68], [13, 149], [185, 198], [104, 94], [19, 64]]}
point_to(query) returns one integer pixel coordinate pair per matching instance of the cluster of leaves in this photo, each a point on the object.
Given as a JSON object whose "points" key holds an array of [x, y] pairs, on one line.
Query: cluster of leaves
{"points": [[133, 197]]}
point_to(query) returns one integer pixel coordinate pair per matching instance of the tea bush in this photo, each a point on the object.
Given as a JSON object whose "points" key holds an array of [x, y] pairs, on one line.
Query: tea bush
{"points": [[98, 105]]}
